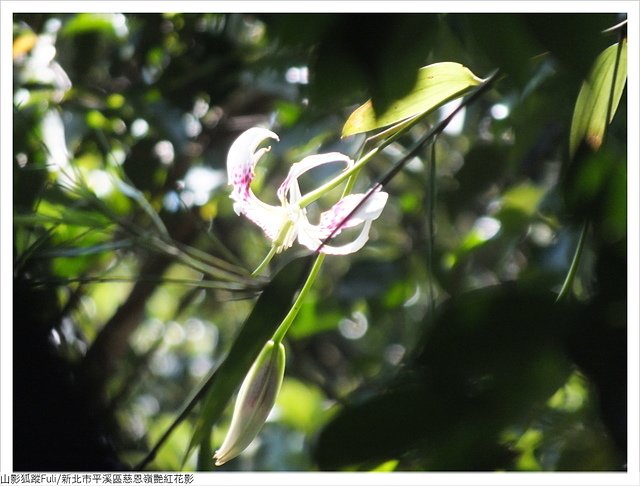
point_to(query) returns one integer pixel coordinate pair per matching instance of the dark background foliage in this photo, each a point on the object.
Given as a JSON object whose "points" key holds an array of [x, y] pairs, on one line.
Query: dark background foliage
{"points": [[423, 351]]}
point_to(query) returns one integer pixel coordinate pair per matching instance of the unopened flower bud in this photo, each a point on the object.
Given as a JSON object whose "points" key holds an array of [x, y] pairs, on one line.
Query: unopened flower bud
{"points": [[255, 400]]}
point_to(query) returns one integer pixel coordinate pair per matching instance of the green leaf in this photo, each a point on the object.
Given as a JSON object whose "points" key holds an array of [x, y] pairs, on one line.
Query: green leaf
{"points": [[598, 95], [266, 316], [436, 84]]}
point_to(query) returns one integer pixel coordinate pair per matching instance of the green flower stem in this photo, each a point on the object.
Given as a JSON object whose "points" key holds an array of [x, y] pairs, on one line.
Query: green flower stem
{"points": [[313, 273], [295, 308], [573, 269], [265, 261], [323, 189], [276, 246]]}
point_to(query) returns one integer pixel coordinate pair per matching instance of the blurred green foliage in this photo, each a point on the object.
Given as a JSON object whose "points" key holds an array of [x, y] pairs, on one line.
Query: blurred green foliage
{"points": [[423, 351]]}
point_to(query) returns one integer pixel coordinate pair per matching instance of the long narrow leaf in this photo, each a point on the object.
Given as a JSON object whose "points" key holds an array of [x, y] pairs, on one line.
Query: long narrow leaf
{"points": [[72, 251], [136, 195], [599, 96]]}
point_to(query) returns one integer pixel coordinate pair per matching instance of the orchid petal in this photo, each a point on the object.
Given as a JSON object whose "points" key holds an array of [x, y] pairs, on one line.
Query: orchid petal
{"points": [[241, 161], [308, 236], [290, 185], [269, 218], [332, 222], [370, 210]]}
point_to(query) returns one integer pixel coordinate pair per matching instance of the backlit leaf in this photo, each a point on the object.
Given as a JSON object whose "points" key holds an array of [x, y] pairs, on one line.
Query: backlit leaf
{"points": [[436, 84], [596, 93]]}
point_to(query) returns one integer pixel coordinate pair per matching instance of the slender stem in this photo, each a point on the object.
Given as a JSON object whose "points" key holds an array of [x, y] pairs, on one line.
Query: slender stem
{"points": [[573, 269], [265, 262], [295, 308], [353, 171], [313, 273], [323, 189], [315, 194]]}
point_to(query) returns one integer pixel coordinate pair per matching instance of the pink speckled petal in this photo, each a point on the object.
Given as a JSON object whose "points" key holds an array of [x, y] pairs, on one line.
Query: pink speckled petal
{"points": [[370, 210], [312, 236], [241, 161], [308, 236]]}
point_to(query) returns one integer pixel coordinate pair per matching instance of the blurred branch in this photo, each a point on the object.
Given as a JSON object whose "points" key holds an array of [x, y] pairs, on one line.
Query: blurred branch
{"points": [[111, 342]]}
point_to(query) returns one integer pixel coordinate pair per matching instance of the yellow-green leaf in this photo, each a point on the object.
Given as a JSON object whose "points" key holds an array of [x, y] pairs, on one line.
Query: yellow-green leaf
{"points": [[589, 117], [436, 84]]}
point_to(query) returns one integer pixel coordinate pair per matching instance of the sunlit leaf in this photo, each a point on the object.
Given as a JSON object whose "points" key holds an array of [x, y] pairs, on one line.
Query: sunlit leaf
{"points": [[597, 96], [436, 84]]}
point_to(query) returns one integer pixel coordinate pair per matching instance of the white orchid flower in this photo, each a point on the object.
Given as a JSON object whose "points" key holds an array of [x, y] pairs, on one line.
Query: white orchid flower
{"points": [[283, 224]]}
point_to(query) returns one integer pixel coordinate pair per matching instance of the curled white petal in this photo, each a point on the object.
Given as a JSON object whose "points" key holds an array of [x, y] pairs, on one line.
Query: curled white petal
{"points": [[308, 236], [289, 186], [333, 221], [243, 157], [241, 161], [368, 211]]}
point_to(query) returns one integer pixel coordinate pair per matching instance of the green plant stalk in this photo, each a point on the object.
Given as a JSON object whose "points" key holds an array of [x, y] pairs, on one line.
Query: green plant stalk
{"points": [[313, 273], [362, 161], [573, 269], [295, 308], [428, 137]]}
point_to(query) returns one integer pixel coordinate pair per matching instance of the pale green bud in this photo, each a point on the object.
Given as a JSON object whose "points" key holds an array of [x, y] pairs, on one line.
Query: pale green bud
{"points": [[255, 400]]}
